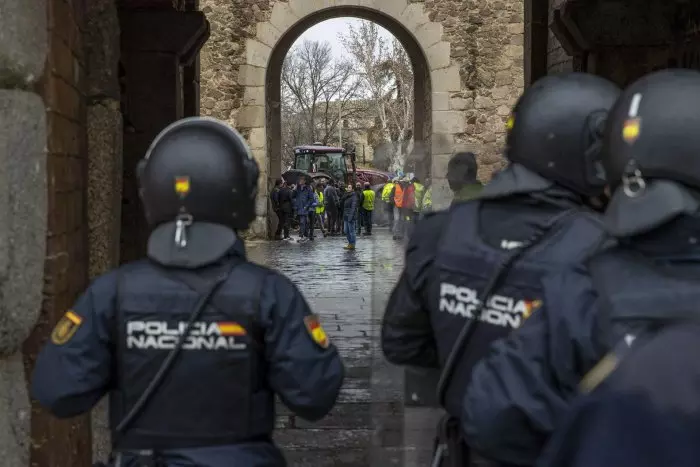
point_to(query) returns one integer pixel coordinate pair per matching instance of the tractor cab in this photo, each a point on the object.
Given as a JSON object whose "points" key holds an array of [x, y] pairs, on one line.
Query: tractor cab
{"points": [[322, 161]]}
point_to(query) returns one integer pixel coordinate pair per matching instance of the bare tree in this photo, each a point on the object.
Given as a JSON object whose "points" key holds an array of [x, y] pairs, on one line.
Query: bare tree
{"points": [[387, 77], [315, 88]]}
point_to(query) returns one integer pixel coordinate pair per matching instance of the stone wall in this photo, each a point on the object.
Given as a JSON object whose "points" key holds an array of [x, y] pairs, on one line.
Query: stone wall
{"points": [[471, 51], [23, 209]]}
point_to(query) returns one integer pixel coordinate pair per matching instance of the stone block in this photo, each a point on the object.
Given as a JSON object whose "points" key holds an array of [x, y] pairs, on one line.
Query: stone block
{"points": [[442, 143], [392, 8], [249, 75], [283, 17], [429, 34], [441, 100], [23, 209], [251, 116], [449, 121], [267, 34], [15, 424], [446, 79], [460, 103], [102, 48], [301, 8], [438, 55], [104, 130], [414, 16], [257, 53], [257, 141], [254, 95], [23, 41], [261, 203]]}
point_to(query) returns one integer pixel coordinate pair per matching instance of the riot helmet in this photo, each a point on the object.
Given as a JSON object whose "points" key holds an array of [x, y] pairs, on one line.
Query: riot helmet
{"points": [[651, 152], [556, 128], [198, 183]]}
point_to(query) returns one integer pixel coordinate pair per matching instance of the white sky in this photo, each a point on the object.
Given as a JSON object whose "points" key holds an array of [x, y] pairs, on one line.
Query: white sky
{"points": [[330, 29]]}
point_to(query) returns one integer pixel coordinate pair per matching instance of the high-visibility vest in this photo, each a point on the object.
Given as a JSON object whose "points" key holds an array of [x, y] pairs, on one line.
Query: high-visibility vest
{"points": [[386, 192], [368, 200], [420, 192], [320, 208], [398, 196], [428, 199]]}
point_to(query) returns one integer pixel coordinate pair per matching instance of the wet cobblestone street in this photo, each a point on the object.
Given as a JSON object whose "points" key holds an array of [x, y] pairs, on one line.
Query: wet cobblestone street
{"points": [[348, 289]]}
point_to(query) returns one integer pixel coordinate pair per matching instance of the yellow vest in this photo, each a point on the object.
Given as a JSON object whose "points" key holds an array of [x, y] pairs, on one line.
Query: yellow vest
{"points": [[368, 201], [428, 200], [320, 208], [420, 193], [386, 192]]}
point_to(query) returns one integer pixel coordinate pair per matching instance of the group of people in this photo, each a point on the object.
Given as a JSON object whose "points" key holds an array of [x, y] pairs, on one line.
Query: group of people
{"points": [[331, 206], [560, 304], [405, 198]]}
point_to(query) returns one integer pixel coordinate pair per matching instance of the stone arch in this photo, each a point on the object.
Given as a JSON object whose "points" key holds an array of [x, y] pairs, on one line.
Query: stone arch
{"points": [[435, 75]]}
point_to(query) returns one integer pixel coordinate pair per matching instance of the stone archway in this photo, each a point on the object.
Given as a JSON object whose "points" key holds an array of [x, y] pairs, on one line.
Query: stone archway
{"points": [[467, 58]]}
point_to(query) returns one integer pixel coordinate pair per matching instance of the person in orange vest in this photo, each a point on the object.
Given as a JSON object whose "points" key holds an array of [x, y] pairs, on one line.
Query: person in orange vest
{"points": [[400, 200]]}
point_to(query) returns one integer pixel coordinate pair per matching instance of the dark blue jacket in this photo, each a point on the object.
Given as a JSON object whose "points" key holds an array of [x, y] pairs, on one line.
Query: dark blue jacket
{"points": [[350, 205], [522, 389], [645, 414], [303, 200], [71, 377]]}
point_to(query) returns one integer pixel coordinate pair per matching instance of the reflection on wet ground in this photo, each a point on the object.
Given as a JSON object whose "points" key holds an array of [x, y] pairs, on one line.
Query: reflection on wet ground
{"points": [[349, 289]]}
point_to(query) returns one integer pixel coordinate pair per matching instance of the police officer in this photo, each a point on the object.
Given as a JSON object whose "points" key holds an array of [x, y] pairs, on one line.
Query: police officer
{"points": [[638, 301], [192, 343], [538, 208]]}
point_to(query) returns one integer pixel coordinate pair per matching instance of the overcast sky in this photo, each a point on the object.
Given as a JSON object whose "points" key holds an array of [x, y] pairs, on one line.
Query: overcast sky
{"points": [[330, 29]]}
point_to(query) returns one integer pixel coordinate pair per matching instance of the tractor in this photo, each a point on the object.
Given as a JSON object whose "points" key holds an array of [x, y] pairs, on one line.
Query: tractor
{"points": [[324, 163]]}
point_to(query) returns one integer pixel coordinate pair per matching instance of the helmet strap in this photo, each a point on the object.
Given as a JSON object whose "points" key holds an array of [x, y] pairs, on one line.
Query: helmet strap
{"points": [[182, 221]]}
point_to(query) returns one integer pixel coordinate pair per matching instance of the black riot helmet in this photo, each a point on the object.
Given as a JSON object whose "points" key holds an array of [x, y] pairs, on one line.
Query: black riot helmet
{"points": [[556, 128], [651, 152], [198, 183], [655, 126]]}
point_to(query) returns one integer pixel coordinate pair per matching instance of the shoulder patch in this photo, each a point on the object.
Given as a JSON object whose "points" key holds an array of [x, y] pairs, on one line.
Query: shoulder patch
{"points": [[66, 328], [316, 331]]}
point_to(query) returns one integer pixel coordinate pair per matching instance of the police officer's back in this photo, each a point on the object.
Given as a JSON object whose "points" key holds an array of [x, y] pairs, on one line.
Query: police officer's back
{"points": [[246, 331], [454, 254], [643, 409]]}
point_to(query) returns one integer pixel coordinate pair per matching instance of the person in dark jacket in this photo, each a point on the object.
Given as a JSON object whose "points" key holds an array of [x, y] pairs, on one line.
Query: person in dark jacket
{"points": [[303, 202], [194, 344], [286, 207], [461, 177], [350, 201], [473, 273], [331, 200], [360, 200], [613, 366], [275, 201]]}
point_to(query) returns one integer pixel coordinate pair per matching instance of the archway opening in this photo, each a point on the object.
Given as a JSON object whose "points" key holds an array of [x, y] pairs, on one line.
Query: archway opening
{"points": [[419, 159]]}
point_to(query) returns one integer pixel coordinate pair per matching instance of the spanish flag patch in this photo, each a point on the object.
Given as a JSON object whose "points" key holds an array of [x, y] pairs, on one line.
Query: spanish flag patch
{"points": [[66, 328], [182, 186], [315, 330], [231, 328]]}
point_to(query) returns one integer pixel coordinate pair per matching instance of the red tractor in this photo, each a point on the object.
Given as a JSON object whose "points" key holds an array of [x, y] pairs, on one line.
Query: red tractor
{"points": [[324, 163]]}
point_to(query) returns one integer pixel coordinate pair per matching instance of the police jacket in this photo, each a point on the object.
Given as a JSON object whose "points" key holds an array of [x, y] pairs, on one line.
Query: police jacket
{"points": [[256, 338], [638, 303], [450, 258]]}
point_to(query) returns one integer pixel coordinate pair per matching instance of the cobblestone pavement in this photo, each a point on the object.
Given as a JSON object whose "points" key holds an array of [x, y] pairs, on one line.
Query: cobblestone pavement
{"points": [[370, 425]]}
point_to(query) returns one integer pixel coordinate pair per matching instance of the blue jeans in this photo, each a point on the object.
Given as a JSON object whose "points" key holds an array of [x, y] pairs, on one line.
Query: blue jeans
{"points": [[349, 228]]}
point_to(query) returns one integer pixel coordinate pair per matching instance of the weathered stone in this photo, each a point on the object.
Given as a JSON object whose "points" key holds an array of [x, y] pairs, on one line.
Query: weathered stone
{"points": [[102, 49], [23, 41], [257, 141], [251, 116], [429, 34], [458, 103], [257, 53], [16, 410], [438, 55], [449, 122], [441, 101], [254, 95], [249, 75], [446, 79], [267, 34], [482, 102], [23, 208], [414, 16], [442, 143], [282, 16]]}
